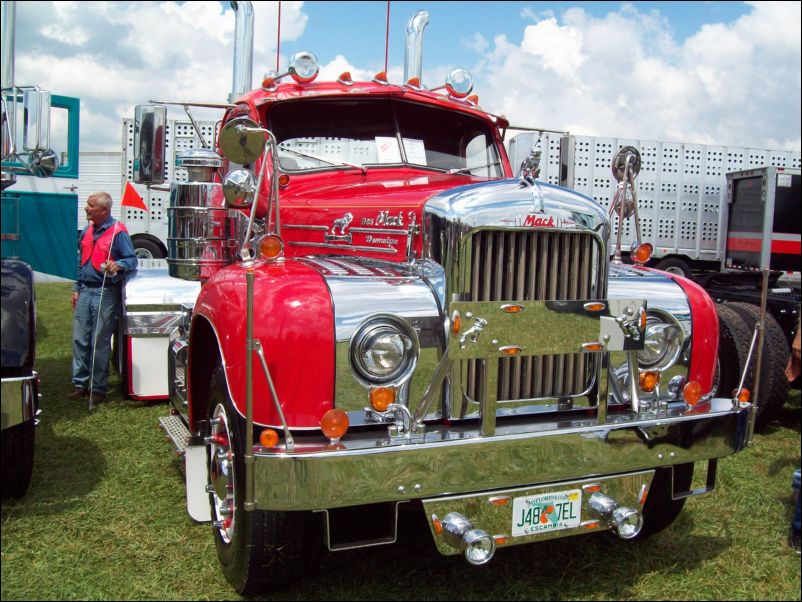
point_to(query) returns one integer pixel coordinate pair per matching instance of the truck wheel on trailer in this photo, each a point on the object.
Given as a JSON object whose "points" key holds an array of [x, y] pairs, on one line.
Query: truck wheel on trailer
{"points": [[773, 383], [258, 549], [675, 266], [661, 510], [147, 249], [18, 447]]}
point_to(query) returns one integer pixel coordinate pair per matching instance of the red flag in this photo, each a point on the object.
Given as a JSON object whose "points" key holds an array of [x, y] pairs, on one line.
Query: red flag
{"points": [[131, 198]]}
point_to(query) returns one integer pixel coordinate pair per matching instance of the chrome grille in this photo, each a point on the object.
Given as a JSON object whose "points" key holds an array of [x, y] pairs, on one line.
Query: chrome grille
{"points": [[535, 266]]}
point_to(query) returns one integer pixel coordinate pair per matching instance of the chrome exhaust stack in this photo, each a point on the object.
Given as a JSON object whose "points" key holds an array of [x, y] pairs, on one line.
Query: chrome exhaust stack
{"points": [[477, 546], [243, 50], [626, 522], [413, 54]]}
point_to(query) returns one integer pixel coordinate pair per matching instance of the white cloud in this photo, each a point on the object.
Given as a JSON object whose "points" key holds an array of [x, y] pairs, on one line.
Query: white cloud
{"points": [[118, 54], [625, 75]]}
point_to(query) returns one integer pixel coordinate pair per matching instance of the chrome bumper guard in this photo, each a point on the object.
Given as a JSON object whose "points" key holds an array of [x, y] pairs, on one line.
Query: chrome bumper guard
{"points": [[455, 460], [19, 399]]}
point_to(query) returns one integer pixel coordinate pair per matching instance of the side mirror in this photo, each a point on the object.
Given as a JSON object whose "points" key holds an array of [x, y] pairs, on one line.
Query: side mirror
{"points": [[149, 143], [242, 140], [36, 120]]}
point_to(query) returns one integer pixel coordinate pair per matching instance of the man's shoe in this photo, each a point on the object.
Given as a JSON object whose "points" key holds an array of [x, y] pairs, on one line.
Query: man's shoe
{"points": [[98, 397], [78, 393]]}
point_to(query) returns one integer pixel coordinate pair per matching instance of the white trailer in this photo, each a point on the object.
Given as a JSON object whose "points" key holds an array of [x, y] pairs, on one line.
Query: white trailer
{"points": [[682, 188]]}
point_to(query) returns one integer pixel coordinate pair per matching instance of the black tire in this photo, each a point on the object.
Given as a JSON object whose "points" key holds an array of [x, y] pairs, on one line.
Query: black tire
{"points": [[147, 249], [674, 265], [661, 510], [18, 448], [734, 338], [773, 383], [258, 550]]}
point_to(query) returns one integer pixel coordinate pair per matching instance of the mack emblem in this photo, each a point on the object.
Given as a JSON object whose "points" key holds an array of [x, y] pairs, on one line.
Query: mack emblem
{"points": [[541, 221]]}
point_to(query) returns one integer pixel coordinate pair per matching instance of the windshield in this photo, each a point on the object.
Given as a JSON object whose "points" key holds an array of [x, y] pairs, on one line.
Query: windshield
{"points": [[321, 134]]}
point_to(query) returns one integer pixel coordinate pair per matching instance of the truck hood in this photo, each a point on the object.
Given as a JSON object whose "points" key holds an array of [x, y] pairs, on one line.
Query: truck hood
{"points": [[360, 214]]}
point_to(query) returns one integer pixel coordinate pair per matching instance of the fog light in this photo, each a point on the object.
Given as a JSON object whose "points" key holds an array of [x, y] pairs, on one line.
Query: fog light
{"points": [[479, 547], [627, 521]]}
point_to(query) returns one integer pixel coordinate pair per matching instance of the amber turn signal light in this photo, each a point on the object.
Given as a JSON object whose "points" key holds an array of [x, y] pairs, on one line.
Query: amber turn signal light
{"points": [[334, 424], [692, 392], [456, 323], [283, 180], [381, 398], [271, 246], [641, 253], [268, 438], [649, 379], [743, 395]]}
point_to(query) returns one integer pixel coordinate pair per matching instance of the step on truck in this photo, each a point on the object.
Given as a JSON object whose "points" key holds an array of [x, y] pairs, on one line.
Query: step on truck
{"points": [[389, 317]]}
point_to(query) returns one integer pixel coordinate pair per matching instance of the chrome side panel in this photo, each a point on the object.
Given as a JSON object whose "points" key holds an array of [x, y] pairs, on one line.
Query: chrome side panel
{"points": [[363, 288], [457, 460], [665, 299]]}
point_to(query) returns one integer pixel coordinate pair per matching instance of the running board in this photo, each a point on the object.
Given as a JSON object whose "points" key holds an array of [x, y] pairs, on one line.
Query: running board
{"points": [[195, 470]]}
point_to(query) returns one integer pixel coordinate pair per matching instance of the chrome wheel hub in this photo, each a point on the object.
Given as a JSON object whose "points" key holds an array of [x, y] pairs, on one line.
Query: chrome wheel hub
{"points": [[221, 475]]}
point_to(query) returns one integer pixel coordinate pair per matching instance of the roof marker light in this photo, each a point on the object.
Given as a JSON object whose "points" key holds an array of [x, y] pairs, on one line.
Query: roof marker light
{"points": [[380, 78], [345, 79]]}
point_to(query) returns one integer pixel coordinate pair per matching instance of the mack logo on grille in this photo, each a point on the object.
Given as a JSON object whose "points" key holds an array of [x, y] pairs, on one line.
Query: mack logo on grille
{"points": [[541, 221]]}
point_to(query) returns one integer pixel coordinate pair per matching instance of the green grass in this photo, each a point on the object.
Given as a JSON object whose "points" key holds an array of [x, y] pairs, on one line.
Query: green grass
{"points": [[105, 518]]}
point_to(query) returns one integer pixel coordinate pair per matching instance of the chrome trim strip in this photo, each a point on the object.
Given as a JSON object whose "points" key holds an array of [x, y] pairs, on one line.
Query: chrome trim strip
{"points": [[457, 460], [323, 245]]}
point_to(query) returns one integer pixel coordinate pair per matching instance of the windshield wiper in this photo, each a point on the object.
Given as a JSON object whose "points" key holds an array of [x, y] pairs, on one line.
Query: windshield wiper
{"points": [[362, 168], [456, 170]]}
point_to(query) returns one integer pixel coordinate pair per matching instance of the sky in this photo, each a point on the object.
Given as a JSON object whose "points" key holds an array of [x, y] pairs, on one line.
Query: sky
{"points": [[723, 73]]}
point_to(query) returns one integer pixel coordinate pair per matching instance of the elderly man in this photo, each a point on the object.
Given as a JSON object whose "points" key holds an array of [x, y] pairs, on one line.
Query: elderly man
{"points": [[106, 261]]}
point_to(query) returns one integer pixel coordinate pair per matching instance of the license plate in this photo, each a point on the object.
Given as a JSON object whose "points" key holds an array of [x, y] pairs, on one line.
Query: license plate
{"points": [[544, 512]]}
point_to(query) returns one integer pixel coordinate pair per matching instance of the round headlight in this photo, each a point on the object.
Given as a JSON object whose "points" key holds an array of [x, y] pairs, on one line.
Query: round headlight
{"points": [[661, 345], [384, 350]]}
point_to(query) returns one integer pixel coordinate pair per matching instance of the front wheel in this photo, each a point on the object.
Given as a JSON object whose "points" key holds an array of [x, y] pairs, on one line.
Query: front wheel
{"points": [[18, 448], [257, 549], [661, 509]]}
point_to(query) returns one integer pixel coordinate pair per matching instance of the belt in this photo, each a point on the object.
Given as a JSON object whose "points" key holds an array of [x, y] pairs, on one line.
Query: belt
{"points": [[99, 285]]}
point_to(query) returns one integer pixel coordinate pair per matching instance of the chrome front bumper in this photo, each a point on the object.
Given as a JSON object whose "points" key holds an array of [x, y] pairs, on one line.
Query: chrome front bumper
{"points": [[364, 469], [19, 399]]}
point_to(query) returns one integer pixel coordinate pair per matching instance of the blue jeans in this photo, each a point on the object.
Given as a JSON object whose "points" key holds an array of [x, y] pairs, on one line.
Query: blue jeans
{"points": [[94, 320]]}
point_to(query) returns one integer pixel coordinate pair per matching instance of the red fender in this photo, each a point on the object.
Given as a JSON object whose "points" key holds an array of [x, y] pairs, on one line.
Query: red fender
{"points": [[704, 328], [294, 320]]}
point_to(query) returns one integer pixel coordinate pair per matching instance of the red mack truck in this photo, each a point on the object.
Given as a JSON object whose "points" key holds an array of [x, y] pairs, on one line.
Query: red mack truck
{"points": [[389, 317]]}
